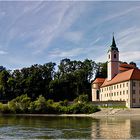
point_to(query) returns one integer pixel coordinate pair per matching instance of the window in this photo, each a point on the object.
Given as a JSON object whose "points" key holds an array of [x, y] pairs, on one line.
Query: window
{"points": [[97, 94], [114, 93], [127, 91], [120, 92], [133, 92], [133, 100], [120, 85], [109, 56], [114, 55], [117, 93], [117, 86], [114, 87], [123, 85], [123, 92], [134, 84], [127, 84]]}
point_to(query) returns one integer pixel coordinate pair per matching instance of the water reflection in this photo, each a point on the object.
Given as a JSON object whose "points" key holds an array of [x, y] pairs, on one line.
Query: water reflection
{"points": [[116, 128], [112, 128], [69, 128]]}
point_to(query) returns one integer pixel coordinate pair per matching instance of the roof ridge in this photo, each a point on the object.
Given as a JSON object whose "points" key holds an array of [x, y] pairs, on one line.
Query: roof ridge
{"points": [[121, 77], [131, 73]]}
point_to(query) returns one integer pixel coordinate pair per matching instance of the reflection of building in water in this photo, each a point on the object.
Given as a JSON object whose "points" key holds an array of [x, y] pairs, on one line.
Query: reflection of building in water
{"points": [[111, 128], [135, 127]]}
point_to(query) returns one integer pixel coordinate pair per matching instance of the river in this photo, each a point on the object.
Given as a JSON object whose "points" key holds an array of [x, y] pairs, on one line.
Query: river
{"points": [[32, 127]]}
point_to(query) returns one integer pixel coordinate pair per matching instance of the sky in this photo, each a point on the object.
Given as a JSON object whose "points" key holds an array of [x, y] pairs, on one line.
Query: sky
{"points": [[49, 31]]}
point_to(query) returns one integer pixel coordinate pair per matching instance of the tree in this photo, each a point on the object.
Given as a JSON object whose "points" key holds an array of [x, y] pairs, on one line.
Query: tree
{"points": [[133, 63], [70, 80], [102, 70], [4, 89]]}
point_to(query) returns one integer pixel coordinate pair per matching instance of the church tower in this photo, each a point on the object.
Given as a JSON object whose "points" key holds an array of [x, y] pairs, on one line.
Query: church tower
{"points": [[113, 61]]}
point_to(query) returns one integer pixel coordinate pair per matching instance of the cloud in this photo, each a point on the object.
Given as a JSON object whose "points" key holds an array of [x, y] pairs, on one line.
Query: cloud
{"points": [[130, 56], [74, 36], [129, 40], [58, 18], [65, 53], [38, 31], [3, 52]]}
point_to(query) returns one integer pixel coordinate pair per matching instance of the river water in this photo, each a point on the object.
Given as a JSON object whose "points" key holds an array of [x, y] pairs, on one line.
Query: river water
{"points": [[19, 127]]}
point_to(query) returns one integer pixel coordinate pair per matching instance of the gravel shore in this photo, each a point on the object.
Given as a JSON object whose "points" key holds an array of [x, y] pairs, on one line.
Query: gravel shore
{"points": [[104, 112]]}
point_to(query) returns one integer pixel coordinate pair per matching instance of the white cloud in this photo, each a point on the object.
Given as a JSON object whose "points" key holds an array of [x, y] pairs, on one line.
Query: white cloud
{"points": [[95, 41], [3, 52], [130, 56], [74, 36], [129, 40], [65, 53], [35, 27], [60, 18]]}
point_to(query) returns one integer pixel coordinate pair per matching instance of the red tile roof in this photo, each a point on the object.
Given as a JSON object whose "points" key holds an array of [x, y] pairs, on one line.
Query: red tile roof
{"points": [[125, 67], [132, 74], [98, 80]]}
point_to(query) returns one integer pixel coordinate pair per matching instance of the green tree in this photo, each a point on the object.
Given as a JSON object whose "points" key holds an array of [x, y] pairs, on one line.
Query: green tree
{"points": [[102, 70]]}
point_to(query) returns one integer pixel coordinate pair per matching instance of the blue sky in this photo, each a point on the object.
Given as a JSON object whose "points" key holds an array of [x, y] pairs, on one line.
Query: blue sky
{"points": [[44, 31]]}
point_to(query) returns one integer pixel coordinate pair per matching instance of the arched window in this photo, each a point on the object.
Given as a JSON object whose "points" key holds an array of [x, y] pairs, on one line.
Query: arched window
{"points": [[97, 94], [114, 55], [109, 56]]}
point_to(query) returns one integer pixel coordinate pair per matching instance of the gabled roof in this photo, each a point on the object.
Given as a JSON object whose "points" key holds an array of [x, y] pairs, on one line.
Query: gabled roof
{"points": [[132, 74], [125, 67], [98, 80]]}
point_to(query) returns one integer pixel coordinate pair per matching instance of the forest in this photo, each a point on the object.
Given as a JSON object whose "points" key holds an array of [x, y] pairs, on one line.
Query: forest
{"points": [[49, 88], [68, 80]]}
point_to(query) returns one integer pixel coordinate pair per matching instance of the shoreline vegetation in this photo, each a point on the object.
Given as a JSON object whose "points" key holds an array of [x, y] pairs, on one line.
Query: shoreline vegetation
{"points": [[24, 105], [80, 107], [48, 88]]}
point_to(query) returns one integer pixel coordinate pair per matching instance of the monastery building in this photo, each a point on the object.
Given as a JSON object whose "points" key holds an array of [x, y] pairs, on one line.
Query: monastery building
{"points": [[122, 82]]}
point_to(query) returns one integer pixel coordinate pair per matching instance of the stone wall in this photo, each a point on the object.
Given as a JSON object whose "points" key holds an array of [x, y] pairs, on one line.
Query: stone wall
{"points": [[109, 103]]}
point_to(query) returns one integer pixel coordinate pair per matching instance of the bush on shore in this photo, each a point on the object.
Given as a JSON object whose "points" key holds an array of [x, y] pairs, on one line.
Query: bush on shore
{"points": [[23, 104]]}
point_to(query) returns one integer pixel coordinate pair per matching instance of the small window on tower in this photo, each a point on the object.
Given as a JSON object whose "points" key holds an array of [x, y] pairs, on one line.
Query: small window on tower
{"points": [[109, 56], [114, 55]]}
